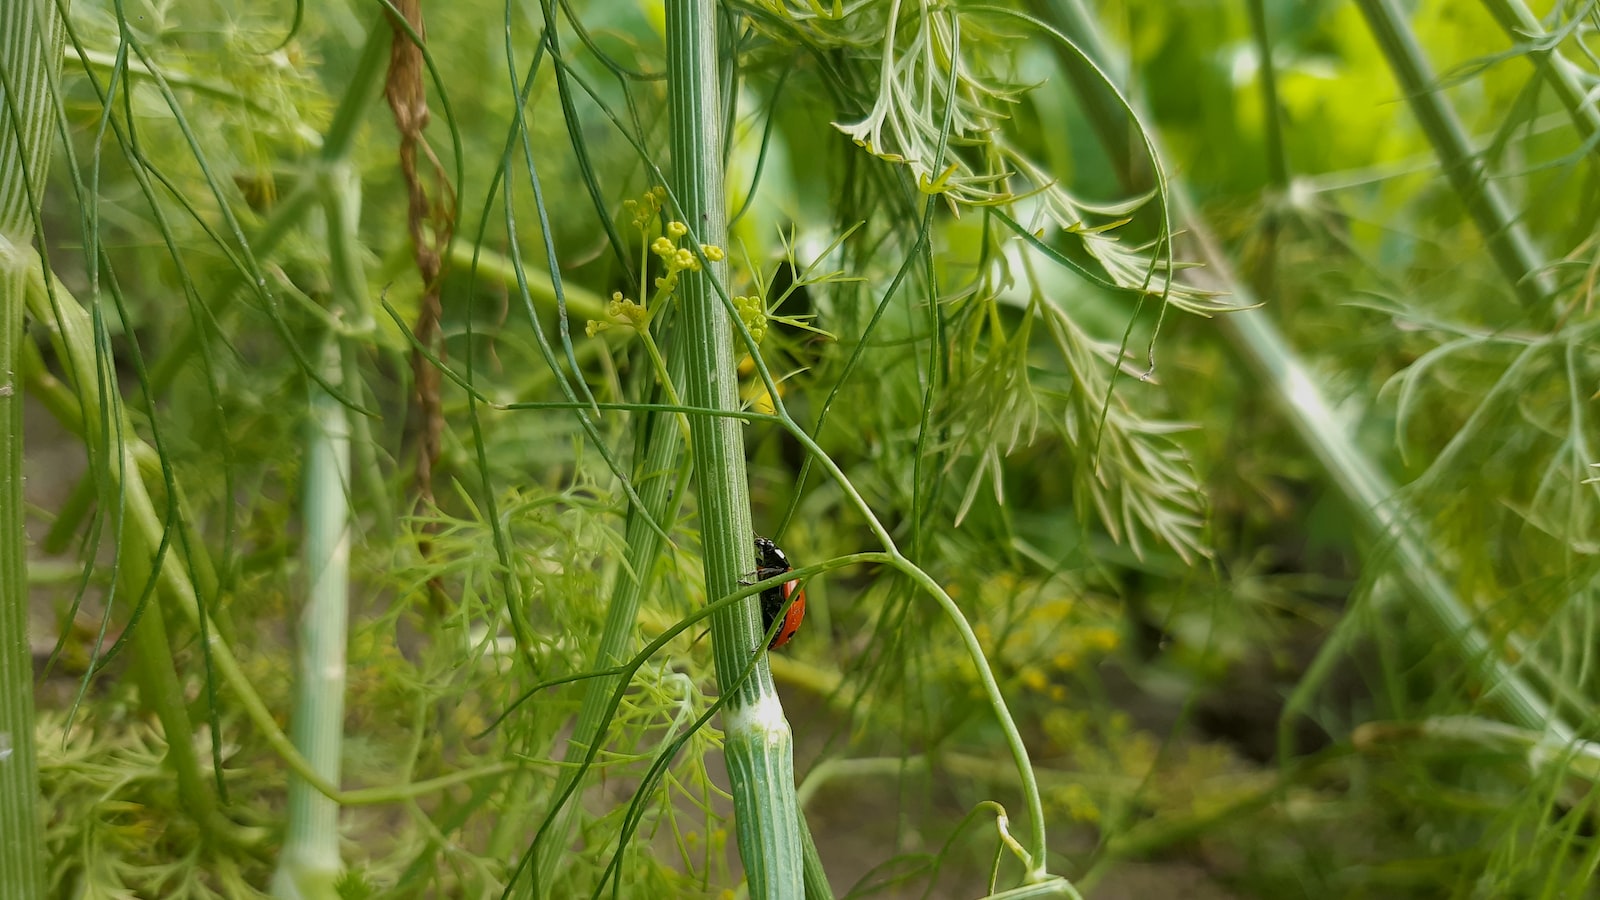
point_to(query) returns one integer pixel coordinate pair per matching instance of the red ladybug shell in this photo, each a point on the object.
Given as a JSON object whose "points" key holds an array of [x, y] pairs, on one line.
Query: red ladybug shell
{"points": [[771, 561]]}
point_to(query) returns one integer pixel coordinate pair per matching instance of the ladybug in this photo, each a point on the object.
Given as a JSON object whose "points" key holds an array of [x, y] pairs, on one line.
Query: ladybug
{"points": [[770, 561]]}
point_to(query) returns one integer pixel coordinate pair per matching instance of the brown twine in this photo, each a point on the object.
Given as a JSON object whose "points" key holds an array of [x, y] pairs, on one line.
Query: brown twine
{"points": [[431, 228]]}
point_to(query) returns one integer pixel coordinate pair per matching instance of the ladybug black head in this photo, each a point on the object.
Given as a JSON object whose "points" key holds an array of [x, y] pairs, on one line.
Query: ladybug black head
{"points": [[768, 556]]}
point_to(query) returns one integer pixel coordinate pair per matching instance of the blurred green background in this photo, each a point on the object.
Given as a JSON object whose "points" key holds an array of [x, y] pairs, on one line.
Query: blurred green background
{"points": [[1234, 664]]}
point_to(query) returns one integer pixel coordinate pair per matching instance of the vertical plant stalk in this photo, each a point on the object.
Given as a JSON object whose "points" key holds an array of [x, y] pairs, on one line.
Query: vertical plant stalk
{"points": [[310, 862], [1272, 121], [30, 51], [1510, 246], [758, 745], [1366, 488]]}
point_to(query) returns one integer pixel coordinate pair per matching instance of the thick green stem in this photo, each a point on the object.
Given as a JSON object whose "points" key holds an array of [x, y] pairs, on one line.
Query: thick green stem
{"points": [[31, 36], [20, 822], [310, 863], [30, 50], [139, 540], [758, 745]]}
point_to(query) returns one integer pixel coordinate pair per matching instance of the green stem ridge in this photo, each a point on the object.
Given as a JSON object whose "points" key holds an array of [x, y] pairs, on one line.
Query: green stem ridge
{"points": [[758, 745], [21, 844], [142, 545], [31, 37]]}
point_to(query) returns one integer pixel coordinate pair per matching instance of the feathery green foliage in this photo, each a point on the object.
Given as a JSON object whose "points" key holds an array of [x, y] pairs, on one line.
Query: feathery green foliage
{"points": [[1105, 573]]}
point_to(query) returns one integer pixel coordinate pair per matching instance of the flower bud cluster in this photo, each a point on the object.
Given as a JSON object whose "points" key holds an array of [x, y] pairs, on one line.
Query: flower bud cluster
{"points": [[675, 260]]}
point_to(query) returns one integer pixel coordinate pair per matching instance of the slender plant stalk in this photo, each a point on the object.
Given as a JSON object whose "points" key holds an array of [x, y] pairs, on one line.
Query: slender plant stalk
{"points": [[1277, 168], [1564, 76], [758, 744], [30, 49], [70, 329], [658, 491], [1372, 495], [310, 863], [140, 538], [1366, 488], [659, 461], [1513, 250]]}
